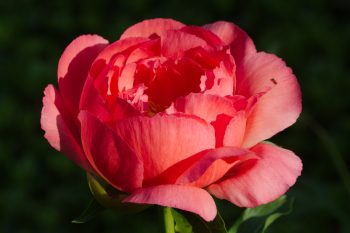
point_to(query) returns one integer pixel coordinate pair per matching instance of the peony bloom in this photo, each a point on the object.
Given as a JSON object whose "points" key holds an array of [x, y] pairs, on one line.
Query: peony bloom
{"points": [[170, 114]]}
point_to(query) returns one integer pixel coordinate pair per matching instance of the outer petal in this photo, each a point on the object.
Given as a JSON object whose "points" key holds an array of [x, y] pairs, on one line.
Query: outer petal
{"points": [[204, 168], [74, 65], [186, 198], [212, 166], [109, 155], [57, 131], [279, 107], [231, 34], [162, 141], [149, 27], [260, 182]]}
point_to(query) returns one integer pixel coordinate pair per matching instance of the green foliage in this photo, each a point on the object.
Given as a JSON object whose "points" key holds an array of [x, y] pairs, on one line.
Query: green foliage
{"points": [[257, 220]]}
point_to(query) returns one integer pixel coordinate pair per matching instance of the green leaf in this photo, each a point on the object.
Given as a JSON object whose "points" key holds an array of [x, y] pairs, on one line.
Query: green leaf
{"points": [[201, 226], [181, 223], [90, 212], [257, 220]]}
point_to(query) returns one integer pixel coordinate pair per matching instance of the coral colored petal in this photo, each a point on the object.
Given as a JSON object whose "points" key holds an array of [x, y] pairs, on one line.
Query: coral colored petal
{"points": [[186, 198], [109, 155], [163, 140], [235, 130], [213, 166], [73, 68], [57, 131], [111, 61], [263, 181], [240, 43], [223, 80], [126, 78], [278, 108], [119, 46], [211, 38], [205, 106], [175, 43], [91, 101], [149, 27], [203, 168]]}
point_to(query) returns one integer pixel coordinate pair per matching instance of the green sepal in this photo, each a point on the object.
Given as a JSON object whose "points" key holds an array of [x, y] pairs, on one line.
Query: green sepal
{"points": [[202, 226], [110, 197], [185, 222], [181, 223], [93, 209], [257, 220]]}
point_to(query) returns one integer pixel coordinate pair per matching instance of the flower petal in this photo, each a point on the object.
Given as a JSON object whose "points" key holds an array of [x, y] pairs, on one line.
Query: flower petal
{"points": [[203, 168], [107, 113], [109, 155], [211, 38], [117, 47], [235, 130], [213, 165], [205, 106], [164, 140], [231, 34], [175, 43], [174, 79], [73, 68], [222, 79], [149, 27], [58, 132], [186, 198], [260, 181], [279, 107]]}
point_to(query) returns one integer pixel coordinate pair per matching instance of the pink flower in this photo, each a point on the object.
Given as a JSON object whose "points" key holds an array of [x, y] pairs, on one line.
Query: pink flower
{"points": [[170, 113]]}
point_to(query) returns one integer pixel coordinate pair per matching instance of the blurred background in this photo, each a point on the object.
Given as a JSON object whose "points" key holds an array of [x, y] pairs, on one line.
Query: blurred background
{"points": [[42, 191]]}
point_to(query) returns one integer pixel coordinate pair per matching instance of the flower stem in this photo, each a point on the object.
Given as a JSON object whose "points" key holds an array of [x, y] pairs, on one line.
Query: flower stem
{"points": [[168, 220]]}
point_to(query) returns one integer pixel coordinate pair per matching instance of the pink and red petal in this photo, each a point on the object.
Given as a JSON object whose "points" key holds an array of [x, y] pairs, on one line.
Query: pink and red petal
{"points": [[279, 107], [73, 68], [106, 112], [212, 39], [164, 140], [58, 131], [203, 168], [235, 130], [174, 79], [150, 27], [260, 181], [213, 165], [175, 43], [240, 43], [186, 198], [205, 106], [110, 156]]}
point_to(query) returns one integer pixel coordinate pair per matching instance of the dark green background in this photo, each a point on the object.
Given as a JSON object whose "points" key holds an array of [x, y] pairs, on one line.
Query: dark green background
{"points": [[41, 191]]}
